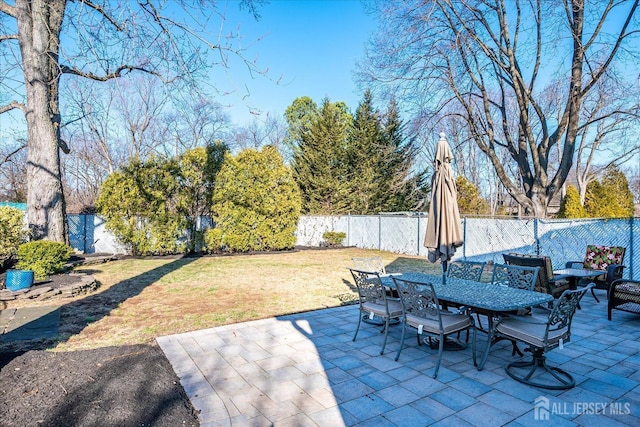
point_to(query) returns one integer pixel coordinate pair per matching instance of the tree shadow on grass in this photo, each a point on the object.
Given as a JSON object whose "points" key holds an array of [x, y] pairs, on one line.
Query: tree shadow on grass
{"points": [[78, 314]]}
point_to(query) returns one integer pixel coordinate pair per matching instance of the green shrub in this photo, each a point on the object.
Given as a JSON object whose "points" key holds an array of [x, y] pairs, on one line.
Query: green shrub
{"points": [[213, 240], [139, 205], [12, 232], [571, 207], [44, 257], [334, 238], [256, 204]]}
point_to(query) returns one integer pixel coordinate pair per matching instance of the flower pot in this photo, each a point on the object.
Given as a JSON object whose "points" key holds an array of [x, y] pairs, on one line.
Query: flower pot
{"points": [[19, 279]]}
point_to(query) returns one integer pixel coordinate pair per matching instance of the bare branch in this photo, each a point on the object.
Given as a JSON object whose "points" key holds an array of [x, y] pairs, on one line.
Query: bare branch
{"points": [[4, 37], [7, 9], [119, 72], [12, 106], [101, 10]]}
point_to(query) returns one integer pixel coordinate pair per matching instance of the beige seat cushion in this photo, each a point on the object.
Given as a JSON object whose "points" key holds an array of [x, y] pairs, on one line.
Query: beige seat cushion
{"points": [[395, 309], [530, 333], [450, 323]]}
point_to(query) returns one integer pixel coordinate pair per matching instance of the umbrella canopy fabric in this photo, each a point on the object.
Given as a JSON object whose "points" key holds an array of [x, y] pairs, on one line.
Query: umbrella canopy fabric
{"points": [[444, 232]]}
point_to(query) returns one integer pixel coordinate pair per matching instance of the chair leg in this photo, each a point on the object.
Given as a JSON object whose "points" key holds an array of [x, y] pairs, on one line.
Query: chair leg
{"points": [[440, 351], [515, 349], [358, 327], [401, 340], [386, 334]]}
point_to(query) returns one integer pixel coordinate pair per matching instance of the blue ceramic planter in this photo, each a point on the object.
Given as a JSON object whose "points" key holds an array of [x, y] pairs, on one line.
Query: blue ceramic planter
{"points": [[19, 279]]}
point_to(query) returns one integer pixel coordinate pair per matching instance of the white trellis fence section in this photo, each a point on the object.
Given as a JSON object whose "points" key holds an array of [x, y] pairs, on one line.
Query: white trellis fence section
{"points": [[485, 239]]}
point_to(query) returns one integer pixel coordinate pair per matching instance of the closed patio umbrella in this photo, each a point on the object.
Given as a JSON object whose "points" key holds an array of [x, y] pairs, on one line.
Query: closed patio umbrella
{"points": [[444, 232]]}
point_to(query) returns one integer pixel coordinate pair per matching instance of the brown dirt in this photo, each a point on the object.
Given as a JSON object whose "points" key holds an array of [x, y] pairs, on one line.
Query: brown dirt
{"points": [[131, 385], [110, 386]]}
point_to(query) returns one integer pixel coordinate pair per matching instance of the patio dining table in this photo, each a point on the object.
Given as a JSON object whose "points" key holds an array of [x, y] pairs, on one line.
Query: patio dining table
{"points": [[575, 274], [489, 297]]}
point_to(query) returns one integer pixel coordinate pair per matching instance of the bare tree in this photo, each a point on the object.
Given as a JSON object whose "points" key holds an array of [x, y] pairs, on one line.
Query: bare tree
{"points": [[491, 62], [194, 122], [103, 40], [608, 131], [258, 133], [13, 172]]}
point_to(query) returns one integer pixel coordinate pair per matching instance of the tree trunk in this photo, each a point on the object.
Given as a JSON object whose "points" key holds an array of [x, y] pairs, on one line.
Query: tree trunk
{"points": [[39, 23]]}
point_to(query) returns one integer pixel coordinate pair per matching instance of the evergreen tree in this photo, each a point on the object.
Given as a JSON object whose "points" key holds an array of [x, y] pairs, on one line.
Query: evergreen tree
{"points": [[470, 202], [256, 203], [320, 161], [198, 169], [403, 188], [571, 207], [299, 116], [610, 198], [366, 156], [618, 198], [140, 204]]}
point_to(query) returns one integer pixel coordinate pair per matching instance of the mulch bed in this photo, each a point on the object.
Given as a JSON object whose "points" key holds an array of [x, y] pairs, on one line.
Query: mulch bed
{"points": [[112, 386], [131, 385]]}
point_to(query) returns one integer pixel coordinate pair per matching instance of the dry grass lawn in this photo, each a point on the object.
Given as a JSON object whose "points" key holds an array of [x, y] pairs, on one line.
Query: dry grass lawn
{"points": [[141, 299]]}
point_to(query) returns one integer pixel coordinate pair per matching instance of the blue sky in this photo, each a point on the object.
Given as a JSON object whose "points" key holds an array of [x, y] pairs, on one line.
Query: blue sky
{"points": [[311, 46]]}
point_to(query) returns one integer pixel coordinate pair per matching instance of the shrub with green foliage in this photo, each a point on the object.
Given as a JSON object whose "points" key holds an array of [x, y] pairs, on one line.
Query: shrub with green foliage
{"points": [[470, 201], [139, 204], [198, 169], [334, 238], [611, 197], [256, 204], [44, 257], [571, 207], [12, 232]]}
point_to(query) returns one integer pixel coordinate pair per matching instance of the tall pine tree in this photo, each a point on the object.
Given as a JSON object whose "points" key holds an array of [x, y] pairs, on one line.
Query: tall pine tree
{"points": [[365, 156], [405, 185], [320, 161]]}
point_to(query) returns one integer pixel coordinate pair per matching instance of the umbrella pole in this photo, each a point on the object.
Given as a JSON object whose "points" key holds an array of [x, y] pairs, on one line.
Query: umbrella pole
{"points": [[444, 272]]}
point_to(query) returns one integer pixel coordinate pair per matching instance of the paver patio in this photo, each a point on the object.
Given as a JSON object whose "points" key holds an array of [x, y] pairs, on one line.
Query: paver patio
{"points": [[304, 370]]}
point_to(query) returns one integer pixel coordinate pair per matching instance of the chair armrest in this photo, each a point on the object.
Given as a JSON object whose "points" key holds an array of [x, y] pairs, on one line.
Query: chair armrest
{"points": [[614, 272], [620, 282], [570, 264]]}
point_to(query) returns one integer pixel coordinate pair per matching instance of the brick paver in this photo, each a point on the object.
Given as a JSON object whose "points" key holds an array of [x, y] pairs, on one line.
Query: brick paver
{"points": [[305, 370]]}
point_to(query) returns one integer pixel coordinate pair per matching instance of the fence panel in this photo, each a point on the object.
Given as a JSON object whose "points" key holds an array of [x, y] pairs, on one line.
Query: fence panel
{"points": [[486, 239], [77, 231], [401, 234]]}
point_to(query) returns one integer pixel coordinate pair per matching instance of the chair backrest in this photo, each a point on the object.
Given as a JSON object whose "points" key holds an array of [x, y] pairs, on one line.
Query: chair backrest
{"points": [[372, 263], [600, 257], [469, 270], [560, 318], [370, 287], [419, 299], [515, 276], [545, 274]]}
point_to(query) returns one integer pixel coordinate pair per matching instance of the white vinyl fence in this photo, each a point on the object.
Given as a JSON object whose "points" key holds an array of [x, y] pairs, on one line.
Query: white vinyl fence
{"points": [[485, 239]]}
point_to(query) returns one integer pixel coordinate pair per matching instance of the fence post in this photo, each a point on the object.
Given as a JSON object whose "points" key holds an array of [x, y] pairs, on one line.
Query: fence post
{"points": [[464, 237], [536, 235], [418, 239], [631, 247], [84, 233], [379, 232]]}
